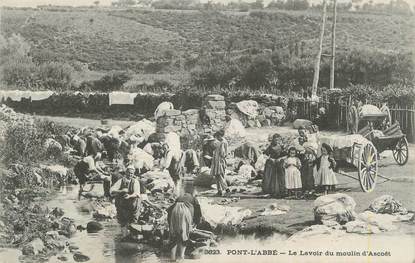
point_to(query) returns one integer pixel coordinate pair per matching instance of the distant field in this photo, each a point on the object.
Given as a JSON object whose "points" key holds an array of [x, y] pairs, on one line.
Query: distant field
{"points": [[159, 41]]}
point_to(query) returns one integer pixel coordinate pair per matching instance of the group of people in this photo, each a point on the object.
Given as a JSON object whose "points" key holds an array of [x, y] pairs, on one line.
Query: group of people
{"points": [[293, 172], [122, 182], [286, 173]]}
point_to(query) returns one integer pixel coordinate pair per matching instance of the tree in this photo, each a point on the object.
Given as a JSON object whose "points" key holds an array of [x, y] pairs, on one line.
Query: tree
{"points": [[124, 3], [96, 3], [258, 4], [258, 73]]}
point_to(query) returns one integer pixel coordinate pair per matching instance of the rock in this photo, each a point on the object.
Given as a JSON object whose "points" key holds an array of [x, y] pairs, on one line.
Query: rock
{"points": [[216, 105], [198, 252], [52, 234], [332, 224], [93, 227], [361, 227], [79, 257], [204, 178], [34, 247], [316, 232], [104, 212], [335, 207], [214, 97], [57, 212], [191, 112], [386, 204], [383, 221], [63, 258], [171, 112], [73, 248], [10, 255], [301, 123]]}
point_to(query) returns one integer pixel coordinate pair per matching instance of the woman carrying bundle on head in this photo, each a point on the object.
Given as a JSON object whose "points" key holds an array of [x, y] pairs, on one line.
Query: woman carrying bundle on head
{"points": [[182, 216]]}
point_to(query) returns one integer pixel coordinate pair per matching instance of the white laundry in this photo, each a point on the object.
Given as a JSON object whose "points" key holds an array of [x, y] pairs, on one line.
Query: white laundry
{"points": [[121, 98], [235, 128], [173, 141], [161, 108], [40, 95], [141, 159], [143, 128], [218, 214], [370, 110], [245, 171], [15, 95], [344, 141], [248, 107]]}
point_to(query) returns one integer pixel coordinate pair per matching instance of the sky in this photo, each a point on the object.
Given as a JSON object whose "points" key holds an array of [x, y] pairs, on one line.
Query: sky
{"points": [[34, 3]]}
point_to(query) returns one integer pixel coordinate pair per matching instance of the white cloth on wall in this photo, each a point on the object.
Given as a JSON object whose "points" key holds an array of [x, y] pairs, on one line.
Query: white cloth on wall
{"points": [[40, 95], [122, 98]]}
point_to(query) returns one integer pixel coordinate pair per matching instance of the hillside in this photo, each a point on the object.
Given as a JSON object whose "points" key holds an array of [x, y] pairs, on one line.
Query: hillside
{"points": [[160, 41]]}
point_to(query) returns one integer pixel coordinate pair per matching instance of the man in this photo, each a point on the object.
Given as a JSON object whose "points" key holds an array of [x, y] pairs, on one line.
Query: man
{"points": [[207, 150], [127, 199], [219, 163]]}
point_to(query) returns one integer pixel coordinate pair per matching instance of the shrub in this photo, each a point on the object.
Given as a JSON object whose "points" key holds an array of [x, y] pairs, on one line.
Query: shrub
{"points": [[258, 73], [55, 75], [114, 80], [214, 72], [23, 142]]}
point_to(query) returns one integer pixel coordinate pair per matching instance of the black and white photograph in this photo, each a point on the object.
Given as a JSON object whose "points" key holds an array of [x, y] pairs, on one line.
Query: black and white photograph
{"points": [[141, 131]]}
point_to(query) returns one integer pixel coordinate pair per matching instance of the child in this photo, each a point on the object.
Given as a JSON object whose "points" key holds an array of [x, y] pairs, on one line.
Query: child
{"points": [[292, 165], [325, 169]]}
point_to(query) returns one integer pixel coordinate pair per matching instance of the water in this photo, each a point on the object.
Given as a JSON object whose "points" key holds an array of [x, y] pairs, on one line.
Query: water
{"points": [[104, 246]]}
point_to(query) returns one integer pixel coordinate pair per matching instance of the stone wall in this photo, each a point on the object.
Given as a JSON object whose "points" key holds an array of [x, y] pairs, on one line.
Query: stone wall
{"points": [[209, 119]]}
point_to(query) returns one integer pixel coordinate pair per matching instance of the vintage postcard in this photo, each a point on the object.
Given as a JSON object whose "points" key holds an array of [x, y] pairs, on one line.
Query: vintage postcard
{"points": [[207, 131]]}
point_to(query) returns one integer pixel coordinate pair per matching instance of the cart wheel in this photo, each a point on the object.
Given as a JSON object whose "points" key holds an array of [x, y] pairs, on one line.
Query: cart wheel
{"points": [[400, 152], [368, 167]]}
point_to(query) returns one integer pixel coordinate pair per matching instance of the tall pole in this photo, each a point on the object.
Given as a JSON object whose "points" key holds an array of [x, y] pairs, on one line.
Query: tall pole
{"points": [[320, 51], [333, 44]]}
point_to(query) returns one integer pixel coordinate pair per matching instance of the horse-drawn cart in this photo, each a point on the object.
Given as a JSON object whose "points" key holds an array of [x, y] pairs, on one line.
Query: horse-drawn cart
{"points": [[362, 150]]}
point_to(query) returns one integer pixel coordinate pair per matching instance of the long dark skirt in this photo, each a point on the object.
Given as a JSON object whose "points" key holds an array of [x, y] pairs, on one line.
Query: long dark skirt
{"points": [[307, 175], [127, 210], [180, 223], [273, 181]]}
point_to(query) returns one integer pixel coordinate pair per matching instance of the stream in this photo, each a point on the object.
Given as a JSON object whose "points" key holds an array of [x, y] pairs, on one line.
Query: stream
{"points": [[103, 246], [106, 246]]}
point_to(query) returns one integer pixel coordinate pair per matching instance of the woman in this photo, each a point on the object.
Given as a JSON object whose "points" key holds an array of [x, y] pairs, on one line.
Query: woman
{"points": [[87, 170], [171, 162], [182, 215], [127, 199], [219, 163], [274, 182]]}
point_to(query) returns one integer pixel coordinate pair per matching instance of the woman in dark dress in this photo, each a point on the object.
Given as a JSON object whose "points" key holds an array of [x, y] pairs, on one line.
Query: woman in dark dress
{"points": [[274, 182]]}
